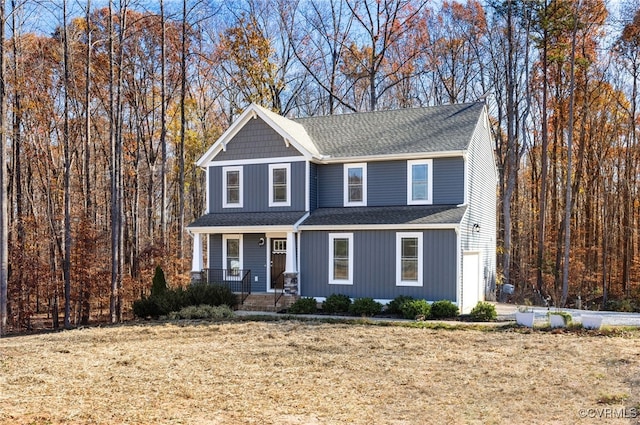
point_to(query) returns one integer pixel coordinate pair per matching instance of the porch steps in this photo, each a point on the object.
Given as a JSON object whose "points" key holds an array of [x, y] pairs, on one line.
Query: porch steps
{"points": [[265, 302]]}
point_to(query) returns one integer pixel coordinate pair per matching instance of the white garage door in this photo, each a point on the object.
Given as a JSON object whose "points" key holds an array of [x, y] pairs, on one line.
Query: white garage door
{"points": [[471, 281]]}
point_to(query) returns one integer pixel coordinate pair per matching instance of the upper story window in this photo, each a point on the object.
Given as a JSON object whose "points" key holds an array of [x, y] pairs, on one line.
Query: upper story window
{"points": [[355, 185], [419, 182], [341, 258], [232, 187], [279, 185]]}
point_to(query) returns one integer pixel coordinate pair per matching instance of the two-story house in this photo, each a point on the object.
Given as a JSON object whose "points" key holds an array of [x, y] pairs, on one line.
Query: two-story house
{"points": [[375, 204]]}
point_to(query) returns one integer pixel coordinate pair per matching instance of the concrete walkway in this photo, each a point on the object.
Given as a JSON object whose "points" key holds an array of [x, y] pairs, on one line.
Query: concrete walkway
{"points": [[609, 318], [506, 313]]}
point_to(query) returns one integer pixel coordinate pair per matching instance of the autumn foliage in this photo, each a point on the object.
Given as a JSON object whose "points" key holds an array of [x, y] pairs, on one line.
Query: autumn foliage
{"points": [[162, 87]]}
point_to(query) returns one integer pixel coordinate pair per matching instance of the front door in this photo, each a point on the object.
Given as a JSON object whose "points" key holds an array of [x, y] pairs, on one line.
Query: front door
{"points": [[278, 263]]}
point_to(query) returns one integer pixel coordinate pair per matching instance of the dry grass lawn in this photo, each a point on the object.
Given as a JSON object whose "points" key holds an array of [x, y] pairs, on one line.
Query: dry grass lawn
{"points": [[293, 372]]}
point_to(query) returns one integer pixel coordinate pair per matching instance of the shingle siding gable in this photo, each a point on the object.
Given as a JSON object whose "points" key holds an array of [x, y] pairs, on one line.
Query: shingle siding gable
{"points": [[256, 140]]}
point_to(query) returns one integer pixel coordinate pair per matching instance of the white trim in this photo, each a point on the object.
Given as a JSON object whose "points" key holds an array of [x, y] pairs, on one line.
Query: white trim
{"points": [[208, 236], [241, 229], [225, 203], [254, 111], [391, 157], [345, 182], [429, 164], [307, 189], [452, 226], [224, 250], [349, 237], [273, 167], [207, 192], [257, 161], [465, 160], [419, 236]]}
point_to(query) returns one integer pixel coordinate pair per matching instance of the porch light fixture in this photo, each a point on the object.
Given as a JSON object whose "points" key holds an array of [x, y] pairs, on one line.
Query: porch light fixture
{"points": [[261, 241], [476, 228]]}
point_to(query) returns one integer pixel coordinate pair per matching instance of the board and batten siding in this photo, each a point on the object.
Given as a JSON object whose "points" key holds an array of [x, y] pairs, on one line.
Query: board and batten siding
{"points": [[482, 187], [256, 140], [387, 183], [374, 265], [313, 186], [254, 257], [255, 187]]}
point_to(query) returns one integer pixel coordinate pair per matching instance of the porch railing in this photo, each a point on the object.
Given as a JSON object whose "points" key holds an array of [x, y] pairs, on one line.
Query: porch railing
{"points": [[237, 280], [278, 288]]}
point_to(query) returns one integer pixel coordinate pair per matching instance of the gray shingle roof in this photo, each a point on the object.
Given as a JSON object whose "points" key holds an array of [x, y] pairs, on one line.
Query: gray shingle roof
{"points": [[248, 219], [401, 131], [413, 214]]}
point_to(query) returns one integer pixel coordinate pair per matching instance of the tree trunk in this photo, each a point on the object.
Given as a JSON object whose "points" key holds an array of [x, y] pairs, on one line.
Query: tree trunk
{"points": [[66, 266], [4, 230]]}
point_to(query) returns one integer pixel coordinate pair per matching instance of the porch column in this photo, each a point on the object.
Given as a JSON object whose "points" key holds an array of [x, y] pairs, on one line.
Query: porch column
{"points": [[196, 261], [291, 261], [291, 269]]}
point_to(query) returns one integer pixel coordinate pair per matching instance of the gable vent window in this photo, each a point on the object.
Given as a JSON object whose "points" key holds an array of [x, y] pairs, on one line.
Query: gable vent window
{"points": [[355, 185], [279, 185], [419, 182], [232, 187]]}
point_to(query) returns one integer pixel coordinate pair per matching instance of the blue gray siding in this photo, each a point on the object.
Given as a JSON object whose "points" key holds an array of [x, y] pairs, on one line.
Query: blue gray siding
{"points": [[256, 140], [387, 183], [313, 186], [482, 187], [374, 266], [215, 253], [330, 185], [254, 257], [448, 181], [256, 189]]}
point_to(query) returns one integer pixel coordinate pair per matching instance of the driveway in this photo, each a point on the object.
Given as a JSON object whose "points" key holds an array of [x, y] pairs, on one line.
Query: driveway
{"points": [[611, 318]]}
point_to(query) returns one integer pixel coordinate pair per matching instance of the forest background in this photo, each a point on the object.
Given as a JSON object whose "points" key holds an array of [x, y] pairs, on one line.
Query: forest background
{"points": [[106, 105]]}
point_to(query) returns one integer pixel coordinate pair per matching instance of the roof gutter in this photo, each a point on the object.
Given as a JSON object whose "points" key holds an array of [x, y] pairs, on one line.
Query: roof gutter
{"points": [[328, 159]]}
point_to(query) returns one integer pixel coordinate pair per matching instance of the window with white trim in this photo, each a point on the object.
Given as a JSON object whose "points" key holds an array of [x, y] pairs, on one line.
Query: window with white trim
{"points": [[279, 185], [355, 185], [409, 259], [232, 187], [232, 254], [341, 258], [419, 182]]}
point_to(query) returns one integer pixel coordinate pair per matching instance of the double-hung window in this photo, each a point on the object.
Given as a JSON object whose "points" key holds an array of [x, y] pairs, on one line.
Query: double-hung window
{"points": [[355, 185], [419, 182], [232, 187], [232, 254], [409, 259], [279, 185], [341, 258]]}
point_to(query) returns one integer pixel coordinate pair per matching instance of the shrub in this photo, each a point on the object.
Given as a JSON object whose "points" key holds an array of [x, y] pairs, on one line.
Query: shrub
{"points": [[203, 312], [304, 306], [158, 283], [484, 312], [395, 306], [365, 307], [416, 310], [210, 294], [336, 303], [443, 309]]}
